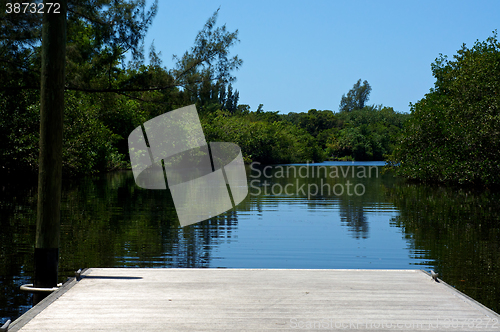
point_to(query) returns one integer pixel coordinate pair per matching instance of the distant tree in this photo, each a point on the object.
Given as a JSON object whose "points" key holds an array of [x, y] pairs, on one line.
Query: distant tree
{"points": [[222, 94], [229, 98], [260, 109], [243, 109], [225, 97], [356, 97], [293, 117], [236, 97]]}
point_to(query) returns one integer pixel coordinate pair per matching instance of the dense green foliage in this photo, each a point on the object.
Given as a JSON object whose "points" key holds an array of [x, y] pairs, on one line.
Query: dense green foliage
{"points": [[356, 132], [369, 133], [107, 97], [454, 131], [261, 139]]}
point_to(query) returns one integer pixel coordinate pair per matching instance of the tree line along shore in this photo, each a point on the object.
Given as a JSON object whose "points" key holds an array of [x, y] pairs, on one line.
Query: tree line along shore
{"points": [[451, 135]]}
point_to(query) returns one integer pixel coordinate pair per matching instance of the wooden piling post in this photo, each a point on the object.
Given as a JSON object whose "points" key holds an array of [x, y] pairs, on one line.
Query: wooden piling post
{"points": [[50, 159]]}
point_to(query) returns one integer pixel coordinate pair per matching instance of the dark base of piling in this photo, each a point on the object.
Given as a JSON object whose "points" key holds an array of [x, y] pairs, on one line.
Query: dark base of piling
{"points": [[46, 266]]}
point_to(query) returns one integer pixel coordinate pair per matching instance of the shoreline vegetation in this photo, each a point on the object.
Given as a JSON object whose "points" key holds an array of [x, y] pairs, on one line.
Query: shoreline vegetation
{"points": [[452, 135]]}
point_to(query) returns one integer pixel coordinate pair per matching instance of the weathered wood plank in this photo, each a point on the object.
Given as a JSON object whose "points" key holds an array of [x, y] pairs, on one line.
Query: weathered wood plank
{"points": [[256, 300]]}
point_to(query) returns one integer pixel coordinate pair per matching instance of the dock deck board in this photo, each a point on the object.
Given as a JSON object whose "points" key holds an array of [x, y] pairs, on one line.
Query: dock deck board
{"points": [[130, 299]]}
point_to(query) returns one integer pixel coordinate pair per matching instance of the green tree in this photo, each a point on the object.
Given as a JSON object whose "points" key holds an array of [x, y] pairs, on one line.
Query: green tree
{"points": [[356, 97], [208, 59], [454, 132]]}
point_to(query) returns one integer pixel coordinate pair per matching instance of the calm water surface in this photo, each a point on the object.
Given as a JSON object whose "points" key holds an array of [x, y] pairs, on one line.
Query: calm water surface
{"points": [[295, 216]]}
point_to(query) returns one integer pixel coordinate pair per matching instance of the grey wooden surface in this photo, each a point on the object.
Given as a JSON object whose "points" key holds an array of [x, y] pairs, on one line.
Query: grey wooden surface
{"points": [[132, 299]]}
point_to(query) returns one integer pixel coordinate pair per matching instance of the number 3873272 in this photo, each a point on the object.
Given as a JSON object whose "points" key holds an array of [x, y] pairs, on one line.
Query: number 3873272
{"points": [[32, 8]]}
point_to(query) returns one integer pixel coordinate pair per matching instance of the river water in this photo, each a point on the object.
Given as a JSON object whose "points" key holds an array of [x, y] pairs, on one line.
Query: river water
{"points": [[333, 215]]}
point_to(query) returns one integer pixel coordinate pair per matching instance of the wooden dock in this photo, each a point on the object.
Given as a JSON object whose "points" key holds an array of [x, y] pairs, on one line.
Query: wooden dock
{"points": [[129, 299]]}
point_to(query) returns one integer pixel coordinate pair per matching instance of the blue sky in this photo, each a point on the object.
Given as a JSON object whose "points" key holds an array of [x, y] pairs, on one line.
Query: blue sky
{"points": [[299, 55]]}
